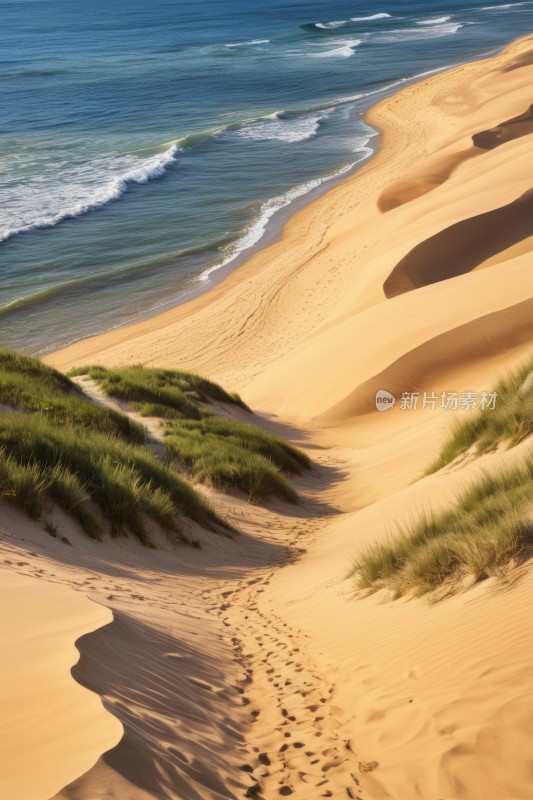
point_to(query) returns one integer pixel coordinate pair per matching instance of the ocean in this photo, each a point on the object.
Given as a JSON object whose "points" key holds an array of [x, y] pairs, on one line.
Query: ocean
{"points": [[147, 147]]}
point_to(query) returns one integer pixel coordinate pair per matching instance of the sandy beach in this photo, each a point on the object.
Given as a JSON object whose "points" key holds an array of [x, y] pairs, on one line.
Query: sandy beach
{"points": [[250, 662]]}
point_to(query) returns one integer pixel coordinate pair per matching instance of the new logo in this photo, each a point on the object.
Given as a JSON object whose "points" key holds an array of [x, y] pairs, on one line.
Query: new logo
{"points": [[384, 400]]}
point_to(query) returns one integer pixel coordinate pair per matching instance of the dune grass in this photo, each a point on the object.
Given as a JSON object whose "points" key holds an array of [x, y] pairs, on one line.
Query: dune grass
{"points": [[210, 448], [26, 384], [85, 470], [234, 455], [58, 447], [509, 423], [159, 392], [488, 528]]}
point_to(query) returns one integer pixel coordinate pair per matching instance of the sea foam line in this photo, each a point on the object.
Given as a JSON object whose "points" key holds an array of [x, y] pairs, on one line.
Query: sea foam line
{"points": [[372, 17], [420, 33], [387, 88], [277, 127], [503, 7], [258, 228], [138, 171], [436, 21], [244, 44], [331, 25], [345, 48]]}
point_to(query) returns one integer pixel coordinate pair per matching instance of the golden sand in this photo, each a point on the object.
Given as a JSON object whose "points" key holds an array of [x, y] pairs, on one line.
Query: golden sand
{"points": [[252, 654]]}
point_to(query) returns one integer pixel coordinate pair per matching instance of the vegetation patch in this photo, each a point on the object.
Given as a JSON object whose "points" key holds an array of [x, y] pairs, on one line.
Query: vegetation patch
{"points": [[233, 455], [56, 446], [26, 384], [168, 393], [487, 529], [212, 449], [509, 423]]}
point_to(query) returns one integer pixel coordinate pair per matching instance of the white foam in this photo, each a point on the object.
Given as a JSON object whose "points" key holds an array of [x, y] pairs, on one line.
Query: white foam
{"points": [[346, 49], [415, 34], [400, 82], [245, 44], [502, 7], [436, 21], [257, 230], [59, 194], [337, 52], [372, 17], [276, 127], [331, 25]]}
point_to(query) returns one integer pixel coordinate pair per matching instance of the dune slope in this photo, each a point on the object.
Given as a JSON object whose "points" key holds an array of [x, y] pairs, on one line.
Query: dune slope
{"points": [[45, 713], [285, 684]]}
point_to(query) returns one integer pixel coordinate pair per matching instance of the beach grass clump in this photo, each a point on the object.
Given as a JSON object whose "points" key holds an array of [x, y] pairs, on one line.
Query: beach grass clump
{"points": [[168, 393], [230, 455], [487, 529], [57, 447], [509, 423], [94, 477], [212, 449], [26, 384]]}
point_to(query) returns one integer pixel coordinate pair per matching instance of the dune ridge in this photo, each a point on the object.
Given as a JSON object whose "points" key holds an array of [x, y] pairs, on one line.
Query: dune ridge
{"points": [[41, 622], [249, 668], [463, 246]]}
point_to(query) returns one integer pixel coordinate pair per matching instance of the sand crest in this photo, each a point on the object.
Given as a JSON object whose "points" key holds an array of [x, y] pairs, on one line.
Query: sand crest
{"points": [[44, 711]]}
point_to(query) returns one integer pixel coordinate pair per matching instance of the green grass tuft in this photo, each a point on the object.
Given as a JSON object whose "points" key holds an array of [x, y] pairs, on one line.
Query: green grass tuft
{"points": [[509, 423], [487, 529], [127, 483], [56, 446], [210, 448], [23, 484], [26, 384], [159, 392]]}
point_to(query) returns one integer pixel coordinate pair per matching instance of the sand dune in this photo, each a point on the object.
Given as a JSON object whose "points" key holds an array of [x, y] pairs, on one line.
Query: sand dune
{"points": [[248, 668], [169, 747], [45, 713], [428, 366], [438, 694], [164, 666], [521, 125], [437, 170], [419, 183], [463, 247], [440, 310]]}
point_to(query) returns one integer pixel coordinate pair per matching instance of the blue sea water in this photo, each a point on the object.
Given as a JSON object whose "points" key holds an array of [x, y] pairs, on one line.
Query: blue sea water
{"points": [[144, 145]]}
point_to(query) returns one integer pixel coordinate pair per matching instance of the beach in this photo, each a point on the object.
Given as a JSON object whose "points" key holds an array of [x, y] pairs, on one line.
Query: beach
{"points": [[129, 192], [328, 268], [252, 662]]}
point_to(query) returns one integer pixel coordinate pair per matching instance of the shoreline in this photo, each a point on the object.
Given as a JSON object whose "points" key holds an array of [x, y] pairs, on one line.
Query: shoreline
{"points": [[273, 233], [274, 227], [319, 269]]}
